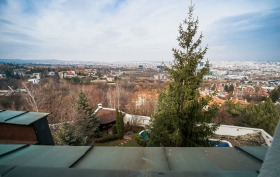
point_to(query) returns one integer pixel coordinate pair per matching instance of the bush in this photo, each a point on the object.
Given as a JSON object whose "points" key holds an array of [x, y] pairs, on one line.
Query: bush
{"points": [[67, 135], [107, 138], [134, 128], [140, 140], [114, 129]]}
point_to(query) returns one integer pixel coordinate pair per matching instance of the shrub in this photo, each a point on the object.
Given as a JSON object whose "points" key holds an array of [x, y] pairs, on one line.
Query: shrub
{"points": [[107, 138], [67, 135], [140, 140], [114, 129]]}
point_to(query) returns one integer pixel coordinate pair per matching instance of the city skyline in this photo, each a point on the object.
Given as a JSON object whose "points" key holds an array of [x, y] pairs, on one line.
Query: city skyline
{"points": [[118, 30]]}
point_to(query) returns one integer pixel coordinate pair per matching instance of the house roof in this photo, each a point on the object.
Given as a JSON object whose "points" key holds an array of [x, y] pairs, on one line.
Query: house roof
{"points": [[106, 116], [147, 94], [20, 117], [216, 100], [241, 102], [39, 160]]}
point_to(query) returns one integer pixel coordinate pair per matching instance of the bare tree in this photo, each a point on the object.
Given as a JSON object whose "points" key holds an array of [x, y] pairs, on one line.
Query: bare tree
{"points": [[31, 94]]}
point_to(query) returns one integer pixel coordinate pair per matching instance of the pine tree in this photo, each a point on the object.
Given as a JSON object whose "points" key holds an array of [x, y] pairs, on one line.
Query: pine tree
{"points": [[182, 117], [87, 121], [275, 94], [226, 88], [231, 88]]}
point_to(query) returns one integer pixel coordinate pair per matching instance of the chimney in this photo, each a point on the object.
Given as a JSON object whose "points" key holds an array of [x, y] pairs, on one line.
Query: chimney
{"points": [[99, 107]]}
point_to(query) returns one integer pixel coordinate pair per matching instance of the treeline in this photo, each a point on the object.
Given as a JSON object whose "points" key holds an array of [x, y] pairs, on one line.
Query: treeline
{"points": [[58, 97]]}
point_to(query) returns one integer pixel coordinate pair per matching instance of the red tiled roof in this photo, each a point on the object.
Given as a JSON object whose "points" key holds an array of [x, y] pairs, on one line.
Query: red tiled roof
{"points": [[216, 100], [106, 116], [241, 102], [70, 73]]}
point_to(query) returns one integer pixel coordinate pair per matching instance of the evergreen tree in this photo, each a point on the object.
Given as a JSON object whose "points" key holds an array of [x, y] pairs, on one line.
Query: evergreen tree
{"points": [[231, 88], [119, 123], [182, 117], [275, 94], [263, 115], [226, 88], [87, 121]]}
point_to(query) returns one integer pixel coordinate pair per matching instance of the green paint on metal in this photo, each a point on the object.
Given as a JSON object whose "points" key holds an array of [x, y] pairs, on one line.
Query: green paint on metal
{"points": [[6, 148], [4, 169], [210, 159], [256, 151], [63, 172], [5, 115], [45, 156], [21, 118], [39, 160], [125, 158], [28, 118]]}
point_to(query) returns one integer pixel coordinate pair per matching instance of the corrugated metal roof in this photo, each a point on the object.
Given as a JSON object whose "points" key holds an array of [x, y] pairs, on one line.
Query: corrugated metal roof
{"points": [[20, 117]]}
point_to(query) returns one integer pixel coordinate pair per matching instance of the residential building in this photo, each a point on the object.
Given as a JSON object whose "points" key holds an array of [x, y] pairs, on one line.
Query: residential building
{"points": [[37, 75], [33, 80], [67, 74]]}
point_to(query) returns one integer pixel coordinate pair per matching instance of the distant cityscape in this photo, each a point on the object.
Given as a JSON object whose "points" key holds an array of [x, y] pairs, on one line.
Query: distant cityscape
{"points": [[133, 87]]}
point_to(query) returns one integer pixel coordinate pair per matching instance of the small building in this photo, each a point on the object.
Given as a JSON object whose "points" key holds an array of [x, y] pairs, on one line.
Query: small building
{"points": [[51, 73], [20, 72], [5, 92], [110, 78], [2, 75], [34, 80], [37, 75], [107, 117], [161, 77], [19, 127], [67, 74]]}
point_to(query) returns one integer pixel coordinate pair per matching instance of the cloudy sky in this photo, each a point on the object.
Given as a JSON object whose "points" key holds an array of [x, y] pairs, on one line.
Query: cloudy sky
{"points": [[136, 30]]}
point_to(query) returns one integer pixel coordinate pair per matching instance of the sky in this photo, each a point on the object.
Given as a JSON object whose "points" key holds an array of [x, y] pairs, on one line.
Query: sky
{"points": [[136, 30]]}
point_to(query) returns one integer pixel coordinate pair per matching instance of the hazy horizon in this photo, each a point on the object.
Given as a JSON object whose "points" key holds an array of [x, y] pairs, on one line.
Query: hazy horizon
{"points": [[123, 31]]}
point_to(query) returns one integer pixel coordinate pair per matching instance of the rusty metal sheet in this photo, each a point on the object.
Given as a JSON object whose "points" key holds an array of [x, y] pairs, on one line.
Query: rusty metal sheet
{"points": [[45, 156], [256, 151], [210, 159], [6, 148], [125, 158]]}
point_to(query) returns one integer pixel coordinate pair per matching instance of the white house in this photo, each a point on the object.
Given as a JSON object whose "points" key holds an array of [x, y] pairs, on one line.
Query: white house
{"points": [[51, 73], [37, 75], [34, 80]]}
